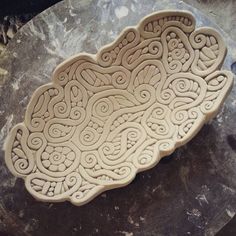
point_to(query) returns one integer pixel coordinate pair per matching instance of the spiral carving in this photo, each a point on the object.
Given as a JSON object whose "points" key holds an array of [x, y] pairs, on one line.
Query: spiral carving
{"points": [[89, 136], [63, 78], [78, 114], [198, 40], [58, 160], [61, 110], [120, 80], [89, 159], [144, 93], [35, 141], [103, 107]]}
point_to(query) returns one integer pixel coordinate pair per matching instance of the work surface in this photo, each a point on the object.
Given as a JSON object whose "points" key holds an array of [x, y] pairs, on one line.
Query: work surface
{"points": [[192, 192]]}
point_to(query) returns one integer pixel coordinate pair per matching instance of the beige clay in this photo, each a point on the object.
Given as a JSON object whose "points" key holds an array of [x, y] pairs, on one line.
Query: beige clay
{"points": [[108, 116]]}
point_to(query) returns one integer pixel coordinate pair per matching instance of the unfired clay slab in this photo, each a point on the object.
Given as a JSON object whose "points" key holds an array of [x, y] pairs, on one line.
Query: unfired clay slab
{"points": [[107, 116]]}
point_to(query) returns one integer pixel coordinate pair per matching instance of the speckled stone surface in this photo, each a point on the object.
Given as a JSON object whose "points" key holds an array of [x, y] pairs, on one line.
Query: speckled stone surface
{"points": [[192, 192]]}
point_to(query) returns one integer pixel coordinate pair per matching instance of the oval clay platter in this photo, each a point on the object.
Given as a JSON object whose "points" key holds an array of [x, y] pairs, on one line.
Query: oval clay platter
{"points": [[108, 116]]}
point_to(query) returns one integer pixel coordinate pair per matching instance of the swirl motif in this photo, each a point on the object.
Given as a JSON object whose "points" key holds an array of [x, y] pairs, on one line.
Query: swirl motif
{"points": [[77, 113], [89, 136], [113, 54], [58, 160], [108, 149], [88, 159], [143, 93], [103, 107], [120, 80], [63, 78], [108, 116], [134, 56], [61, 110], [35, 140]]}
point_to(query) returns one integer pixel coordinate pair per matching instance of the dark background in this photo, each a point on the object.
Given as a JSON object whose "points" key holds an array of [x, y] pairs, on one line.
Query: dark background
{"points": [[14, 14], [18, 7]]}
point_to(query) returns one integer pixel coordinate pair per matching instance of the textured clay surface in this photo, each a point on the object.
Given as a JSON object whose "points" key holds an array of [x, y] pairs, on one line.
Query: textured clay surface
{"points": [[108, 116]]}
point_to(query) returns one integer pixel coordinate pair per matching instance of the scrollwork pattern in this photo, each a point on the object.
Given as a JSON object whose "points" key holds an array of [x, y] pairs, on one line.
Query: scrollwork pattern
{"points": [[106, 117]]}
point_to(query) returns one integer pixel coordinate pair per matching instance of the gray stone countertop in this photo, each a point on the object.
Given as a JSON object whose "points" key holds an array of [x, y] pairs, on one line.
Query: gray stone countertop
{"points": [[192, 192]]}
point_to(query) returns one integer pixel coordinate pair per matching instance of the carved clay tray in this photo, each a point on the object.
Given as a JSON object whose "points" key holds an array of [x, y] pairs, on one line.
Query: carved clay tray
{"points": [[108, 116]]}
